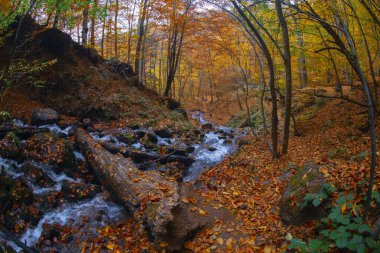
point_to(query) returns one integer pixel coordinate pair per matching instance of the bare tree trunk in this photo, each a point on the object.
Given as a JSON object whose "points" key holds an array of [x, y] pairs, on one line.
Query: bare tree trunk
{"points": [[143, 11], [288, 72], [115, 28], [264, 47], [85, 26], [93, 19], [57, 14], [130, 26], [103, 32]]}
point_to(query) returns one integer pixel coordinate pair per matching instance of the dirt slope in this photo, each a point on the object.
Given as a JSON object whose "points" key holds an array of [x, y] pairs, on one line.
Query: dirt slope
{"points": [[78, 83]]}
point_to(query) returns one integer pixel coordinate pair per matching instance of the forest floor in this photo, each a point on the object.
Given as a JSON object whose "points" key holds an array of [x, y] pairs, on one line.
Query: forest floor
{"points": [[250, 184]]}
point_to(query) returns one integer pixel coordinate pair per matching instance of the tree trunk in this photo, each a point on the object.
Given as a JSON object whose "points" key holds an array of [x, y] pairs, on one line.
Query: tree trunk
{"points": [[288, 72], [93, 19], [115, 28], [103, 32], [143, 10], [272, 85], [85, 26]]}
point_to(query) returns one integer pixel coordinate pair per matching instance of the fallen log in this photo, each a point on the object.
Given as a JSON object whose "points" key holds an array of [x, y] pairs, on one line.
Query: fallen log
{"points": [[151, 198]]}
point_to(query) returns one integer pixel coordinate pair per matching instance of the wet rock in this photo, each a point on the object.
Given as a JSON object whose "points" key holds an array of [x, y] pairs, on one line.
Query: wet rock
{"points": [[140, 134], [307, 180], [139, 156], [186, 161], [86, 122], [14, 191], [111, 147], [47, 148], [73, 191], [190, 149], [50, 233], [212, 149], [150, 137], [44, 116], [164, 133], [10, 146], [207, 126], [150, 146], [227, 141], [178, 151], [127, 137], [36, 175], [135, 127]]}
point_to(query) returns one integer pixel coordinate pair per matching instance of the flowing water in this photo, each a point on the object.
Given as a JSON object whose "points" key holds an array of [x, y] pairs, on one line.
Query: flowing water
{"points": [[217, 143]]}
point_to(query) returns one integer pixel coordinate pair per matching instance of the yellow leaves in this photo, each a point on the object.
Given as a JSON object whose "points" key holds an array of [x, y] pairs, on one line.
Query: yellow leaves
{"points": [[201, 212], [188, 200], [163, 244], [269, 249], [110, 245], [220, 241], [229, 243], [343, 208], [324, 171]]}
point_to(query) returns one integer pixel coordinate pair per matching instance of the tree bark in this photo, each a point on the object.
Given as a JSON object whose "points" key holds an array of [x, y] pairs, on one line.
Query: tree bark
{"points": [[85, 26], [288, 73]]}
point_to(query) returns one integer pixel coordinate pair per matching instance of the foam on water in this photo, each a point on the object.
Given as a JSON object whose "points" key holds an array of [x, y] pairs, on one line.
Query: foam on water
{"points": [[79, 156], [203, 156], [73, 214], [56, 129], [8, 167]]}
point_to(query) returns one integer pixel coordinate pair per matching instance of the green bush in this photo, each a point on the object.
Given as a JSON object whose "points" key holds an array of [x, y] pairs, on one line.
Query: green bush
{"points": [[342, 229]]}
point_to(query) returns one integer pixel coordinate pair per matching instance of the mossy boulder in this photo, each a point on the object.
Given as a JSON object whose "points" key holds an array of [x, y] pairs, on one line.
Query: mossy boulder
{"points": [[307, 180], [10, 146], [48, 149], [44, 116], [14, 190]]}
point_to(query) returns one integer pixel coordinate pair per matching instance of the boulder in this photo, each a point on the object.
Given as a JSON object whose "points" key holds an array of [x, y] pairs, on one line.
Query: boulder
{"points": [[207, 126], [10, 146], [48, 149], [36, 175], [307, 180], [164, 133], [151, 137], [74, 191], [44, 116]]}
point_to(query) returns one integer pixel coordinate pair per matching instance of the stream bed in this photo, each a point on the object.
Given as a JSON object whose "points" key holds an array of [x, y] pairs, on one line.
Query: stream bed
{"points": [[57, 194]]}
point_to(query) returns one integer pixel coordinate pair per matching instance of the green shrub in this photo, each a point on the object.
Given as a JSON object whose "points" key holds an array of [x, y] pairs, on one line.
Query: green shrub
{"points": [[342, 229]]}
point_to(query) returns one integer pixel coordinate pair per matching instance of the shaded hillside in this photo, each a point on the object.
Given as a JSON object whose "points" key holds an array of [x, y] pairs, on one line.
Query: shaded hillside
{"points": [[73, 80]]}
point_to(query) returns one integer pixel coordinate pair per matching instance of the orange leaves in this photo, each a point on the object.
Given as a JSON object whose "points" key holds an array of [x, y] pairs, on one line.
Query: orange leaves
{"points": [[190, 200]]}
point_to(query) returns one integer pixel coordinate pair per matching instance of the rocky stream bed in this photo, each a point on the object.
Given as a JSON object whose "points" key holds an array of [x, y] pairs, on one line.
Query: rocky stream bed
{"points": [[48, 186]]}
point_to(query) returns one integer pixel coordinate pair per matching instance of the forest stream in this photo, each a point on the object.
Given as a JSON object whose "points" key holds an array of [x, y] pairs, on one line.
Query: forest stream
{"points": [[94, 208]]}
